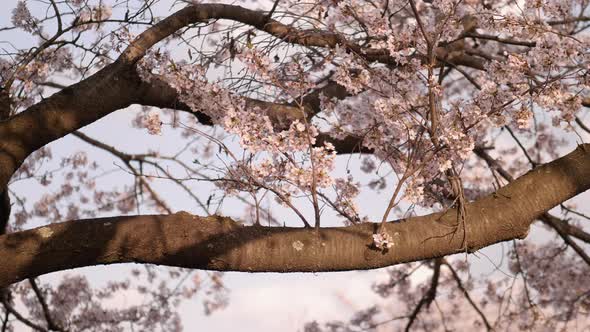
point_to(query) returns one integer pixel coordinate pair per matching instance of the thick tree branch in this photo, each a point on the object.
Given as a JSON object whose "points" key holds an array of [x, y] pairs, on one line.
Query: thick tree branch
{"points": [[9, 308], [112, 88], [258, 19], [218, 243], [562, 227], [160, 94]]}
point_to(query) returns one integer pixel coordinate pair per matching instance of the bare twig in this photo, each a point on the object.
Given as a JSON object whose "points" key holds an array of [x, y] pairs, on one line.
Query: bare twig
{"points": [[467, 296], [51, 324], [9, 308], [429, 296]]}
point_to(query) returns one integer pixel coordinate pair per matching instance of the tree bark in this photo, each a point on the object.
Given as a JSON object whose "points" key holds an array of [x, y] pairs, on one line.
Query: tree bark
{"points": [[219, 243], [112, 88]]}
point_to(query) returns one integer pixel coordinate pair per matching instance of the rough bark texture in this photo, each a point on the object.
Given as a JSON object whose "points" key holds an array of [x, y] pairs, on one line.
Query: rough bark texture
{"points": [[218, 243], [114, 87]]}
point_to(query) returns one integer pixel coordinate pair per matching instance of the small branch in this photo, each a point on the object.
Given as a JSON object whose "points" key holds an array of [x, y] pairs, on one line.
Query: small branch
{"points": [[18, 316], [567, 228], [57, 16], [579, 214], [429, 296], [493, 164], [420, 25], [566, 238], [274, 7], [5, 321], [522, 148], [570, 20], [50, 321], [582, 125], [467, 296], [126, 158], [523, 274]]}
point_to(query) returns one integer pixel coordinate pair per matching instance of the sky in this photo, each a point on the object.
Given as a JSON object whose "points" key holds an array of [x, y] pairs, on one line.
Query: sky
{"points": [[258, 302]]}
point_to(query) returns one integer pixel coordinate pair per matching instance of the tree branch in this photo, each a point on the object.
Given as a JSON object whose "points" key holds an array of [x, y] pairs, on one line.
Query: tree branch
{"points": [[46, 312], [9, 308], [428, 297], [115, 86], [562, 227], [565, 227], [566, 238], [467, 296], [218, 243], [258, 19]]}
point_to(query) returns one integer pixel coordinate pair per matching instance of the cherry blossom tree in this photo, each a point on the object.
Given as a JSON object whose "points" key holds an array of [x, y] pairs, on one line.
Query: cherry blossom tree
{"points": [[467, 116]]}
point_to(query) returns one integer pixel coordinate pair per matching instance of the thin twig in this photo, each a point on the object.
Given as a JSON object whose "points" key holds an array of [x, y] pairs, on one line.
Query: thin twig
{"points": [[50, 321], [582, 125], [20, 317], [526, 154], [466, 294], [429, 296], [274, 6]]}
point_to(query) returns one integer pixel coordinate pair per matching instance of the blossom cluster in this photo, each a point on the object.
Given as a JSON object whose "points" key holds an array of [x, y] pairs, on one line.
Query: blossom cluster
{"points": [[22, 18], [383, 240], [391, 107], [287, 160], [153, 123]]}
